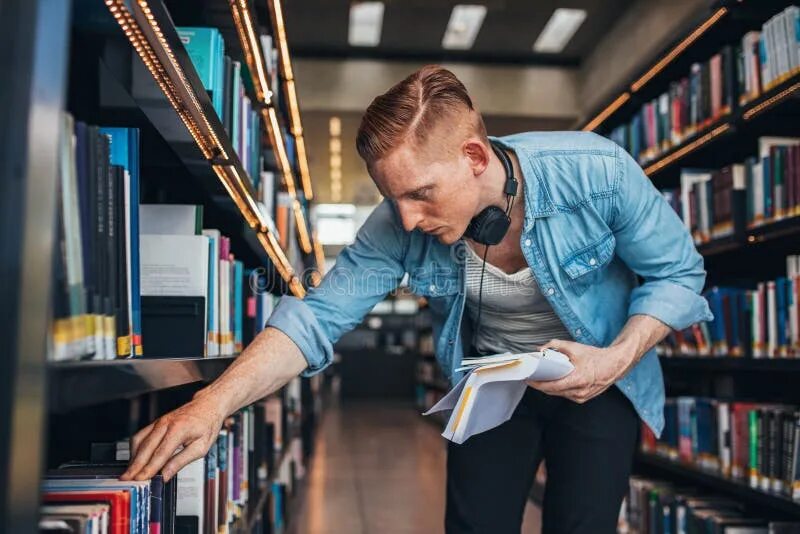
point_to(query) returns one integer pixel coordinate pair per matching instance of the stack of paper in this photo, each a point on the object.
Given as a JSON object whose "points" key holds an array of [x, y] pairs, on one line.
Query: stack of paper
{"points": [[488, 394]]}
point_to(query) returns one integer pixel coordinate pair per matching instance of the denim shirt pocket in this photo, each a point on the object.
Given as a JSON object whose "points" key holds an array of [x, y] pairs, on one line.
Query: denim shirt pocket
{"points": [[585, 266], [437, 286]]}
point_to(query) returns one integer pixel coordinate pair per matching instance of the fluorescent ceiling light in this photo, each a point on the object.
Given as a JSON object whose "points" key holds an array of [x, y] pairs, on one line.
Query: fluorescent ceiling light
{"points": [[559, 30], [366, 20], [462, 29]]}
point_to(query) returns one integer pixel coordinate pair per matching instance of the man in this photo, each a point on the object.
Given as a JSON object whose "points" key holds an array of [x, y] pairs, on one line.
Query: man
{"points": [[583, 222]]}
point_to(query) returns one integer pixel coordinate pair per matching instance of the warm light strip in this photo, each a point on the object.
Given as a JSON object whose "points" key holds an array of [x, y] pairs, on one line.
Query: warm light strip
{"points": [[305, 175], [755, 110], [238, 199], [280, 30], [259, 218], [302, 227], [603, 115], [294, 109], [276, 138], [278, 260], [176, 67], [280, 253], [679, 48], [296, 126], [253, 55], [319, 255], [660, 164], [297, 288], [142, 46]]}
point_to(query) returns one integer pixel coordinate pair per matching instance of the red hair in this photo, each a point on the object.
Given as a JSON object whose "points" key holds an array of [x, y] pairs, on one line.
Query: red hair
{"points": [[412, 108]]}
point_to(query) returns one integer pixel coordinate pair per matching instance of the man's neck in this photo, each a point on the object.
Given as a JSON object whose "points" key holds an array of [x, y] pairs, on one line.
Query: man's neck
{"points": [[496, 184]]}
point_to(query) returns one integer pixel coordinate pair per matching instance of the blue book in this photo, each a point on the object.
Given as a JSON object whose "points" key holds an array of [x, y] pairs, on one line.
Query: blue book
{"points": [[124, 151], [768, 187], [203, 47], [780, 303], [717, 325]]}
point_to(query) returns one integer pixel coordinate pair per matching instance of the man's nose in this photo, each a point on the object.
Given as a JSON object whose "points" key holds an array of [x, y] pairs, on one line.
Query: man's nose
{"points": [[409, 216]]}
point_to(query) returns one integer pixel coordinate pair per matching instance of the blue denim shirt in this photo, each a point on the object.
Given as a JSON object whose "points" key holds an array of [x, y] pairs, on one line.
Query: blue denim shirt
{"points": [[593, 222]]}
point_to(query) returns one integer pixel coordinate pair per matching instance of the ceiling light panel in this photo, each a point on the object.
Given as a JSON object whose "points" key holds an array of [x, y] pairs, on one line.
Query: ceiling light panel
{"points": [[559, 30], [463, 27], [366, 21]]}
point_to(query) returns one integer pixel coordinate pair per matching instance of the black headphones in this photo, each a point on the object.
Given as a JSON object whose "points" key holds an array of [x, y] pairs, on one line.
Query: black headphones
{"points": [[491, 224]]}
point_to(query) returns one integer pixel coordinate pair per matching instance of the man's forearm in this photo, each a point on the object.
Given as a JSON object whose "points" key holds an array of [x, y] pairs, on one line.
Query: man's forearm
{"points": [[269, 362], [640, 334]]}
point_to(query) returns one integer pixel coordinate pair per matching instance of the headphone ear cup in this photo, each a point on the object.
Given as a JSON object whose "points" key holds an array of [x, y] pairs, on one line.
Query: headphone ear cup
{"points": [[489, 226]]}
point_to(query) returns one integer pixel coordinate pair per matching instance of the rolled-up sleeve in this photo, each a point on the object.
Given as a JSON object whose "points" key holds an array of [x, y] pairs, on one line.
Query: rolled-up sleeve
{"points": [[653, 241], [363, 274]]}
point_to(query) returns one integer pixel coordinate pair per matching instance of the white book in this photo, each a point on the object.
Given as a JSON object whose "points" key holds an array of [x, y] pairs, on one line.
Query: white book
{"points": [[171, 219], [689, 177], [191, 492], [212, 307], [791, 22], [772, 322], [175, 266], [490, 391], [724, 437]]}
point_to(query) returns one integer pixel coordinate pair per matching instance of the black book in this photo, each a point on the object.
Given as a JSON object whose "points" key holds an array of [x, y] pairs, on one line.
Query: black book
{"points": [[122, 318], [775, 446], [764, 415], [787, 456], [729, 82], [705, 92], [112, 223], [227, 97]]}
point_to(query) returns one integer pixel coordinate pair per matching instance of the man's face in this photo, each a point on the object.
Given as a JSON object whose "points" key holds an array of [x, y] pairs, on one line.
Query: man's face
{"points": [[435, 185]]}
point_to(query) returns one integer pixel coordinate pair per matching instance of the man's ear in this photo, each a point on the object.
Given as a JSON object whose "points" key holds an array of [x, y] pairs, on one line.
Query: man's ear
{"points": [[477, 153]]}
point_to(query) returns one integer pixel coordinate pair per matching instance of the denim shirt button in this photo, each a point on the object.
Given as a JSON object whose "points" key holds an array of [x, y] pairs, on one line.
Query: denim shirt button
{"points": [[432, 288], [551, 291], [578, 332], [528, 242]]}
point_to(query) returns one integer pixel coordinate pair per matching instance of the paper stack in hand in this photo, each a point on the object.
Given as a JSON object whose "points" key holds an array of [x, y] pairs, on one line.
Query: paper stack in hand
{"points": [[493, 386]]}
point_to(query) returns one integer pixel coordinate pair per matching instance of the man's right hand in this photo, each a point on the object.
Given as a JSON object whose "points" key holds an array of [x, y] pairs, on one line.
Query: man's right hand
{"points": [[194, 427]]}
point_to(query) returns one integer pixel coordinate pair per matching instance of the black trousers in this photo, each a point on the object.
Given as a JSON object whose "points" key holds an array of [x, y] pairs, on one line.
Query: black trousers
{"points": [[588, 450]]}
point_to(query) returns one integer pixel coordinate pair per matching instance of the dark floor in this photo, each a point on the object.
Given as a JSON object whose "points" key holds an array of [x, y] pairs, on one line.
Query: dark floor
{"points": [[377, 468]]}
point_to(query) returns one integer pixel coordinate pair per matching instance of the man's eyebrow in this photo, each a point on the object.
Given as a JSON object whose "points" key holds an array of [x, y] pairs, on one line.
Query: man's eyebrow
{"points": [[417, 190]]}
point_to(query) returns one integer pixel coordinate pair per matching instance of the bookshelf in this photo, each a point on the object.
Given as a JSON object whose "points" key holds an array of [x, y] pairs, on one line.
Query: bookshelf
{"points": [[751, 254], [124, 64]]}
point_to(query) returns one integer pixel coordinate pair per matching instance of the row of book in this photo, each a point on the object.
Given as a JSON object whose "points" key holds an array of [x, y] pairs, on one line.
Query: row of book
{"points": [[658, 507], [736, 74], [755, 443], [97, 305], [690, 104], [760, 323], [208, 496], [778, 47], [225, 80], [186, 270], [718, 203], [125, 271]]}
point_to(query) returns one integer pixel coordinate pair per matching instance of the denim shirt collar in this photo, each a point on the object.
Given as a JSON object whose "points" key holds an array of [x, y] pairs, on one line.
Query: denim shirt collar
{"points": [[537, 195]]}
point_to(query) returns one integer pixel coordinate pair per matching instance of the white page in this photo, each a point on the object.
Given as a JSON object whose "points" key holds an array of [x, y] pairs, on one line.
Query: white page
{"points": [[174, 265]]}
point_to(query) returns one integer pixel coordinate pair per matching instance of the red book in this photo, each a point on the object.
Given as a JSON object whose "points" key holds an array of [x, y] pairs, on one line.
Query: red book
{"points": [[119, 516], [740, 439]]}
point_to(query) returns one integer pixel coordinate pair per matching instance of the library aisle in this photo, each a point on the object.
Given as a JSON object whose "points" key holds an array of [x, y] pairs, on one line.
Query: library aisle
{"points": [[378, 467]]}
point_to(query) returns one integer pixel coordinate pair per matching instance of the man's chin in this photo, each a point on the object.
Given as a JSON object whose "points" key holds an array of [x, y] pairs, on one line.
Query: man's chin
{"points": [[447, 238]]}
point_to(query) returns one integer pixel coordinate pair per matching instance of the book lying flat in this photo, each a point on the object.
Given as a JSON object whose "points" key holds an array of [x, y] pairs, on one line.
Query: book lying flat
{"points": [[489, 392]]}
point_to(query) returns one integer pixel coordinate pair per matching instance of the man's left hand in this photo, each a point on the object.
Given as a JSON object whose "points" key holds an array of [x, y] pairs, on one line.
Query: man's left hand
{"points": [[596, 369]]}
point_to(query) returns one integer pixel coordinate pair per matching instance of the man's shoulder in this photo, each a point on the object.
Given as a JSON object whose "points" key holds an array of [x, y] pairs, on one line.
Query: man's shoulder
{"points": [[559, 143]]}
